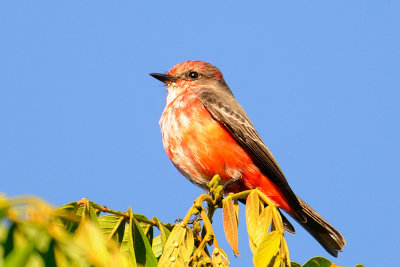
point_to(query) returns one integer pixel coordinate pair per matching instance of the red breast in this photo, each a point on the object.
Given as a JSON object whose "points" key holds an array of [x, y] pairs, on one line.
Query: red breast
{"points": [[201, 147]]}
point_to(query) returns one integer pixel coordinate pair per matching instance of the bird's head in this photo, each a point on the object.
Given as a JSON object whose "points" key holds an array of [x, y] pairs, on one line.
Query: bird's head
{"points": [[191, 74]]}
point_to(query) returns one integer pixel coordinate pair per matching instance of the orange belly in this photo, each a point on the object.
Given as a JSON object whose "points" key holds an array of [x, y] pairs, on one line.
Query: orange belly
{"points": [[200, 147]]}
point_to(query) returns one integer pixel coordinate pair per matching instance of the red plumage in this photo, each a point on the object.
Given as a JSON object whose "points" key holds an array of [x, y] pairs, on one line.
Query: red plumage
{"points": [[206, 132]]}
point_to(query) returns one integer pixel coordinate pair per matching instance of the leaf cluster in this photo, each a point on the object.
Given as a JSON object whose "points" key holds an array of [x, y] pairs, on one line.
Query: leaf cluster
{"points": [[83, 233]]}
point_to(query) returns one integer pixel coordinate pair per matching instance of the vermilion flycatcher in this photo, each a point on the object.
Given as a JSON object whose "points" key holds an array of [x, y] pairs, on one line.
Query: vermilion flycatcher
{"points": [[206, 132]]}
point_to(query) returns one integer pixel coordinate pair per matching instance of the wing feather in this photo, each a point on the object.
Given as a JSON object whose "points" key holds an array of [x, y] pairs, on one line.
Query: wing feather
{"points": [[226, 110]]}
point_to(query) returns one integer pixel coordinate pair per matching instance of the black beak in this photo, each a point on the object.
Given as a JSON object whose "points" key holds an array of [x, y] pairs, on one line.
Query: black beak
{"points": [[163, 77]]}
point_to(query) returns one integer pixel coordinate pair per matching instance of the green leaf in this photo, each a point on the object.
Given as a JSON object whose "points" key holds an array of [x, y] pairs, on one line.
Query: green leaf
{"points": [[19, 256], [147, 228], [96, 206], [68, 216], [171, 251], [186, 249], [49, 257], [39, 236], [113, 226], [284, 251], [267, 250], [277, 219], [143, 251], [149, 232], [164, 232], [89, 212], [252, 214], [295, 264], [130, 236], [159, 241], [67, 207], [140, 217], [67, 210], [157, 246], [9, 242], [93, 214], [263, 225], [318, 262]]}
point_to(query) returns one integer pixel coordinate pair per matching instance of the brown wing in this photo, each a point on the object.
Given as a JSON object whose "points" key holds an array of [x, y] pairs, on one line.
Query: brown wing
{"points": [[225, 109]]}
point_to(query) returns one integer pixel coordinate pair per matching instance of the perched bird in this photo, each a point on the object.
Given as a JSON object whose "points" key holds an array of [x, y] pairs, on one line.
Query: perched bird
{"points": [[206, 132]]}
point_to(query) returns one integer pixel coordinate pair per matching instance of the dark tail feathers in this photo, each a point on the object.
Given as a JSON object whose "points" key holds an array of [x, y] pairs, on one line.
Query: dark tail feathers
{"points": [[321, 230]]}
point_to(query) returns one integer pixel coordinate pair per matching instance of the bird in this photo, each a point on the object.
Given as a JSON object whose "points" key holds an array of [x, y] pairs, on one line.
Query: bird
{"points": [[205, 131]]}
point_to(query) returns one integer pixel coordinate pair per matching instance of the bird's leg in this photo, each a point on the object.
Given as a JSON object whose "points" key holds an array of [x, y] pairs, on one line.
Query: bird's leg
{"points": [[196, 219], [192, 221]]}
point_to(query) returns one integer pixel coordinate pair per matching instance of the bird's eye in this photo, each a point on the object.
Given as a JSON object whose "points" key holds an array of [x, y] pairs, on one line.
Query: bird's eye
{"points": [[193, 75]]}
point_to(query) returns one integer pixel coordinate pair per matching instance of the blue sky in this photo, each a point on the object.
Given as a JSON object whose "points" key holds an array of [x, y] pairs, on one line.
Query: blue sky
{"points": [[320, 81]]}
